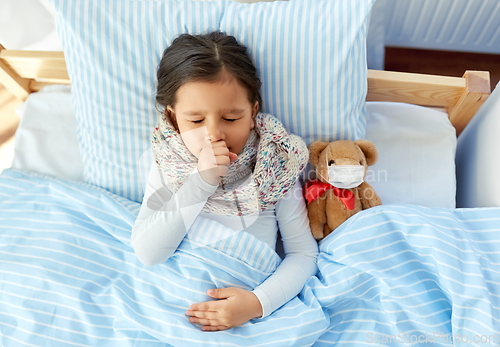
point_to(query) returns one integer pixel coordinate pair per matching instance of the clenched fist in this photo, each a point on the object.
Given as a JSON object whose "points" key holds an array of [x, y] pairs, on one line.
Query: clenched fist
{"points": [[214, 160]]}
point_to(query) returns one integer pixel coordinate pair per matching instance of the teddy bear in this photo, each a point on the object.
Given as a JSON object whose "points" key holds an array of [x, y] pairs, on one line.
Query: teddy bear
{"points": [[339, 191]]}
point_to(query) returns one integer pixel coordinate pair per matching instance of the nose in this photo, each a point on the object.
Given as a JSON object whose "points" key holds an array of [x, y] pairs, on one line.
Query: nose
{"points": [[214, 132]]}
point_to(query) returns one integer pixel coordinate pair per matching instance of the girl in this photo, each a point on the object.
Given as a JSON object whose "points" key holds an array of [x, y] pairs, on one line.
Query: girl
{"points": [[218, 157]]}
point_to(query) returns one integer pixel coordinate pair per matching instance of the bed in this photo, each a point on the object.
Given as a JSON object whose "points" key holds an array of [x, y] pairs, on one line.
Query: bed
{"points": [[413, 271]]}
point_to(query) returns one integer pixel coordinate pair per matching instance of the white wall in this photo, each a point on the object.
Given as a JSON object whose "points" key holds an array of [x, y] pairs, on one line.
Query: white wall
{"points": [[455, 25]]}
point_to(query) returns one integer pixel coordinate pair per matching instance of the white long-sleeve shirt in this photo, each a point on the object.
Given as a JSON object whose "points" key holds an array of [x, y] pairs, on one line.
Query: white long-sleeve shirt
{"points": [[165, 218]]}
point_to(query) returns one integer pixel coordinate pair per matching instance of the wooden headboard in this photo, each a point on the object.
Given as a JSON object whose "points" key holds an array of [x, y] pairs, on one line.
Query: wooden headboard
{"points": [[24, 72]]}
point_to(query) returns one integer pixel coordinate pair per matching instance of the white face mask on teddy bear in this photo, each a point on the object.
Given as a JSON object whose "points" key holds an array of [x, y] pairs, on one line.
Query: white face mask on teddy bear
{"points": [[345, 176]]}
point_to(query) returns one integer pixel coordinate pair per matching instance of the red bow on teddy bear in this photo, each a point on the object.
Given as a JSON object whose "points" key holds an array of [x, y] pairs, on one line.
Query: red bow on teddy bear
{"points": [[313, 189]]}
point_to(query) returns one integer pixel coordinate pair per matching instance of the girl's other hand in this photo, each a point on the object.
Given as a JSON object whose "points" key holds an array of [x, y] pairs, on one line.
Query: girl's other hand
{"points": [[236, 307], [214, 160]]}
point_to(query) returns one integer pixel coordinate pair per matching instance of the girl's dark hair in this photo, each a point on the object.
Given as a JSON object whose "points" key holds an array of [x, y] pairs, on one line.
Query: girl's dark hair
{"points": [[204, 58]]}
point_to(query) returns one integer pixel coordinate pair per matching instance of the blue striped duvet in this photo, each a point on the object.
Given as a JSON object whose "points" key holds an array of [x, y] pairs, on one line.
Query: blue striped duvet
{"points": [[390, 276]]}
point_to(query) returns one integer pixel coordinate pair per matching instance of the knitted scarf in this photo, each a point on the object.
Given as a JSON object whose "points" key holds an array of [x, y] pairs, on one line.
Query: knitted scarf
{"points": [[265, 170]]}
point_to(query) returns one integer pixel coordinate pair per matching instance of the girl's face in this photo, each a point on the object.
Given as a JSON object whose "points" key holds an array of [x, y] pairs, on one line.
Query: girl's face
{"points": [[213, 111]]}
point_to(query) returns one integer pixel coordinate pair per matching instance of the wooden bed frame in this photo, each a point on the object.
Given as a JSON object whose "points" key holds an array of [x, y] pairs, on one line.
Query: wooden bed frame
{"points": [[24, 72]]}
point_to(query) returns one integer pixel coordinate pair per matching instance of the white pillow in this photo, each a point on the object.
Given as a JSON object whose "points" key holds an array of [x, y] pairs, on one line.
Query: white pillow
{"points": [[478, 161], [28, 24], [416, 148], [45, 141]]}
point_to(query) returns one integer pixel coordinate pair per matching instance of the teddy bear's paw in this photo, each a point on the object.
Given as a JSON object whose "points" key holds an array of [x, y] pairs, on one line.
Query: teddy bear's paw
{"points": [[327, 230], [368, 196], [375, 201], [317, 231]]}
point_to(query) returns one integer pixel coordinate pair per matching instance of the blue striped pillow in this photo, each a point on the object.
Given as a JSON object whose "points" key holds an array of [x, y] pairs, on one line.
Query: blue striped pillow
{"points": [[310, 56], [112, 50]]}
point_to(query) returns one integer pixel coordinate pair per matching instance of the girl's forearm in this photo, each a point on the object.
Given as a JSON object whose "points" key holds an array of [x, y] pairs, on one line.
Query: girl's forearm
{"points": [[157, 237], [158, 231], [301, 253], [286, 282]]}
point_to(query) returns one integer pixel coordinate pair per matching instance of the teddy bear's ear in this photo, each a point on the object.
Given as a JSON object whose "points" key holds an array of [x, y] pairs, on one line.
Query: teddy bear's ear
{"points": [[369, 150], [315, 150]]}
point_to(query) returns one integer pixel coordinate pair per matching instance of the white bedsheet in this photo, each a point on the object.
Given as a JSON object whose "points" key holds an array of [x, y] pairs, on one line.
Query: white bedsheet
{"points": [[46, 139], [416, 154]]}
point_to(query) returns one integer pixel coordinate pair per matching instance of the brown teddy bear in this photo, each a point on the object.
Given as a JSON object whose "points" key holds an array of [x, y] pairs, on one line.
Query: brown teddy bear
{"points": [[339, 190]]}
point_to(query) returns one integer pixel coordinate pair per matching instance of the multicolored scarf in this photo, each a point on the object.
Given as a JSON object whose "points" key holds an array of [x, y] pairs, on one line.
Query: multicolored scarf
{"points": [[265, 170]]}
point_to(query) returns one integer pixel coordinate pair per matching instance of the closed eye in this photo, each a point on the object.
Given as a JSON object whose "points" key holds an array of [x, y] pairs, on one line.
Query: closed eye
{"points": [[230, 120], [197, 121]]}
